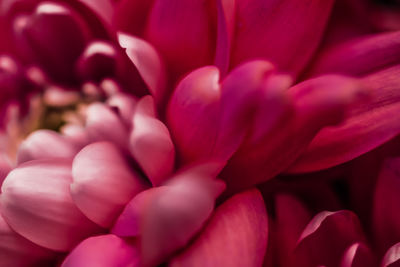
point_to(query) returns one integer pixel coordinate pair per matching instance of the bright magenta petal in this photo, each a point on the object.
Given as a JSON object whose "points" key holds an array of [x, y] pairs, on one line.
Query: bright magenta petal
{"points": [[103, 182], [278, 30], [368, 126], [37, 204], [103, 251], [150, 142], [236, 235]]}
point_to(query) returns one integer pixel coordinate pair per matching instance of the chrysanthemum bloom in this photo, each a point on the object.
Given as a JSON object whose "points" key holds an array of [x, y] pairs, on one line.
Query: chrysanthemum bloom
{"points": [[248, 92]]}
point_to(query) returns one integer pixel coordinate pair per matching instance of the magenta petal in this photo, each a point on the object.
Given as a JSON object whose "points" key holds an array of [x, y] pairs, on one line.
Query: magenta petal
{"points": [[360, 56], [37, 204], [183, 32], [278, 30], [103, 182], [358, 255], [148, 63], [368, 126], [150, 142], [43, 144], [175, 214], [326, 238], [104, 124], [103, 251], [386, 222], [193, 113], [392, 257], [16, 251], [102, 8], [236, 235]]}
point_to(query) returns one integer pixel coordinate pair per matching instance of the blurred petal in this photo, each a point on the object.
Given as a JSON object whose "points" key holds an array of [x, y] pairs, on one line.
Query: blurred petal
{"points": [[103, 182], [16, 251], [103, 124], [236, 235], [316, 103], [326, 238], [174, 215], [125, 104], [183, 32], [279, 30], [368, 126], [392, 257], [37, 204], [386, 222], [359, 56], [150, 142], [193, 113], [103, 251], [358, 255], [148, 63], [44, 144]]}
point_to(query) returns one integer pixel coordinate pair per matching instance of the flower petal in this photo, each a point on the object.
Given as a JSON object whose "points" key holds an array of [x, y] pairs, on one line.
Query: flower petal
{"points": [[150, 142], [326, 238], [103, 251], [236, 235], [392, 256], [193, 113], [103, 182], [37, 204], [367, 127], [278, 30], [358, 255], [44, 144]]}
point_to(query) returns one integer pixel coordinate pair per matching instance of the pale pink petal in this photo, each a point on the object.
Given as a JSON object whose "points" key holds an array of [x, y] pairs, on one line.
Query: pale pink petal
{"points": [[16, 251], [284, 32], [358, 255], [103, 182], [183, 32], [193, 113], [236, 235], [326, 238], [125, 104], [36, 203], [150, 142], [174, 215], [386, 222], [359, 56], [104, 124], [367, 127], [103, 251], [316, 103], [392, 257], [43, 144], [148, 63]]}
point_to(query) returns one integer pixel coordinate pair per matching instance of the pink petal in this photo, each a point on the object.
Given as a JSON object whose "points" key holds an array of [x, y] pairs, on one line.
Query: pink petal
{"points": [[125, 104], [358, 255], [150, 142], [44, 144], [236, 235], [392, 257], [54, 36], [183, 32], [386, 222], [193, 113], [103, 182], [367, 127], [226, 26], [103, 251], [148, 63], [102, 8], [16, 251], [326, 238], [279, 30], [360, 56], [315, 104], [103, 124], [37, 204]]}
